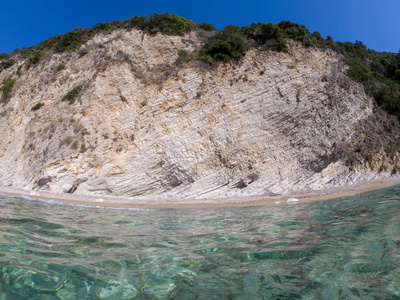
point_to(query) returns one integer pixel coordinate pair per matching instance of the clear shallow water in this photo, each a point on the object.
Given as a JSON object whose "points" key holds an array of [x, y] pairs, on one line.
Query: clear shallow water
{"points": [[338, 249]]}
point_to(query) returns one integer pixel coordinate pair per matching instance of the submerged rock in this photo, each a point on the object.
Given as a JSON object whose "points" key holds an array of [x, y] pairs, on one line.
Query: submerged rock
{"points": [[117, 290]]}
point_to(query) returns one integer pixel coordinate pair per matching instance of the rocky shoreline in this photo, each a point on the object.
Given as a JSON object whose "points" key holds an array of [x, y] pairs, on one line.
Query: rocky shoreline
{"points": [[228, 202]]}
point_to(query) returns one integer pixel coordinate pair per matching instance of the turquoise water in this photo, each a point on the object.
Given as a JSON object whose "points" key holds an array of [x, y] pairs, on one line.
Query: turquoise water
{"points": [[340, 249]]}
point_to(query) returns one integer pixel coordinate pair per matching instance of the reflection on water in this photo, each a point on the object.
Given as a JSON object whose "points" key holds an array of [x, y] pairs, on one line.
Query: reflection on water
{"points": [[338, 249]]}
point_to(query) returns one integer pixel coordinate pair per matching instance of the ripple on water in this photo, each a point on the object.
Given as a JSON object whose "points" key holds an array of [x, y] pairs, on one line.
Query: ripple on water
{"points": [[338, 249]]}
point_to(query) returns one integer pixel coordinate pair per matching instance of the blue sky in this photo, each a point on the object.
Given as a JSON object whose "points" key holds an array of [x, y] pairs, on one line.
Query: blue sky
{"points": [[376, 23]]}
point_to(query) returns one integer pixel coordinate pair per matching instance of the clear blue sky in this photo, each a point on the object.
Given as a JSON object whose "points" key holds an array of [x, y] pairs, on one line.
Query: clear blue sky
{"points": [[376, 23]]}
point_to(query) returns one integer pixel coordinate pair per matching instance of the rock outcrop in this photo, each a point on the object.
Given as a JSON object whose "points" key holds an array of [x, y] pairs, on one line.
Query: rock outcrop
{"points": [[146, 124]]}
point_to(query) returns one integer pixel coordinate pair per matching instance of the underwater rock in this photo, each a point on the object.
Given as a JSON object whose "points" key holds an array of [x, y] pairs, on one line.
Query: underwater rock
{"points": [[117, 290]]}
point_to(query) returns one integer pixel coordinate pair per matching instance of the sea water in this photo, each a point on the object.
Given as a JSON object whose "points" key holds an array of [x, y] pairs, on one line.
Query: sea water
{"points": [[346, 248]]}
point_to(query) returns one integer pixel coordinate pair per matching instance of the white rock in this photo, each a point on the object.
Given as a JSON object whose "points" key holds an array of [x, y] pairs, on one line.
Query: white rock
{"points": [[292, 200]]}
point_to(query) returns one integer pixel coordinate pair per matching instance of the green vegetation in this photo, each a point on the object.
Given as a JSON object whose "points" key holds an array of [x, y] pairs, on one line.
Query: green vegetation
{"points": [[232, 41], [35, 58], [5, 61], [83, 148], [37, 106], [206, 26], [75, 145], [19, 73], [71, 40], [294, 31], [61, 67], [67, 140], [183, 57], [84, 131], [6, 64], [164, 23], [267, 32], [227, 44], [6, 88], [72, 94], [378, 72]]}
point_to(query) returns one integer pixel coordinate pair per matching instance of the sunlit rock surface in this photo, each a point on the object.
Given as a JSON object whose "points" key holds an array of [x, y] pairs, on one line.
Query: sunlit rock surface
{"points": [[147, 126]]}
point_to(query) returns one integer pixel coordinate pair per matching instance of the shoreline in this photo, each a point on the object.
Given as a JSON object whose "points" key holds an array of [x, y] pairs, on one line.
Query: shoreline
{"points": [[228, 202]]}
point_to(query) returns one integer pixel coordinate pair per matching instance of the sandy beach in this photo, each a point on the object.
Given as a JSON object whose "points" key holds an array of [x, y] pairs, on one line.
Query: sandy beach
{"points": [[142, 203]]}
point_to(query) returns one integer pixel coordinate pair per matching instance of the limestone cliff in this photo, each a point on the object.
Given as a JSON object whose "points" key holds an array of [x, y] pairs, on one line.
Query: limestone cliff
{"points": [[148, 125]]}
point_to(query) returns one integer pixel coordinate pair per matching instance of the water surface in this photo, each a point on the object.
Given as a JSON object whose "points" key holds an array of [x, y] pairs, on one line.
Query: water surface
{"points": [[346, 248]]}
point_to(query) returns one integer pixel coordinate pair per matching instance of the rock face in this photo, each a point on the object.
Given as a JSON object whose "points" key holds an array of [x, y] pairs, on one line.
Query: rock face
{"points": [[148, 125]]}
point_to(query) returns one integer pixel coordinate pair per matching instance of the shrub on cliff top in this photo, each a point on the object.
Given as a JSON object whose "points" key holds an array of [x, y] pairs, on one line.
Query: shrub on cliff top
{"points": [[294, 31], [232, 41], [227, 44], [206, 26], [165, 23], [35, 58], [5, 61], [71, 41], [265, 32]]}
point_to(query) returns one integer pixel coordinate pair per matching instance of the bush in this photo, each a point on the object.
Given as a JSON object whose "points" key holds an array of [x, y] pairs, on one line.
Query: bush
{"points": [[206, 26], [71, 41], [267, 31], [376, 71], [72, 94], [83, 148], [6, 64], [358, 71], [99, 27], [178, 25], [37, 106], [61, 67], [6, 88], [227, 44], [294, 31], [35, 58], [183, 57], [19, 73], [167, 24], [4, 56]]}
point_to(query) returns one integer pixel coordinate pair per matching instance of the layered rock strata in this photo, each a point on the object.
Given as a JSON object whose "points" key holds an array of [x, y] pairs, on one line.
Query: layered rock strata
{"points": [[149, 125]]}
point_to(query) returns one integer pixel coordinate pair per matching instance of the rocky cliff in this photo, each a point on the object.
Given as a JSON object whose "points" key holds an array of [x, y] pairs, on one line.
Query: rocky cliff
{"points": [[149, 124]]}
